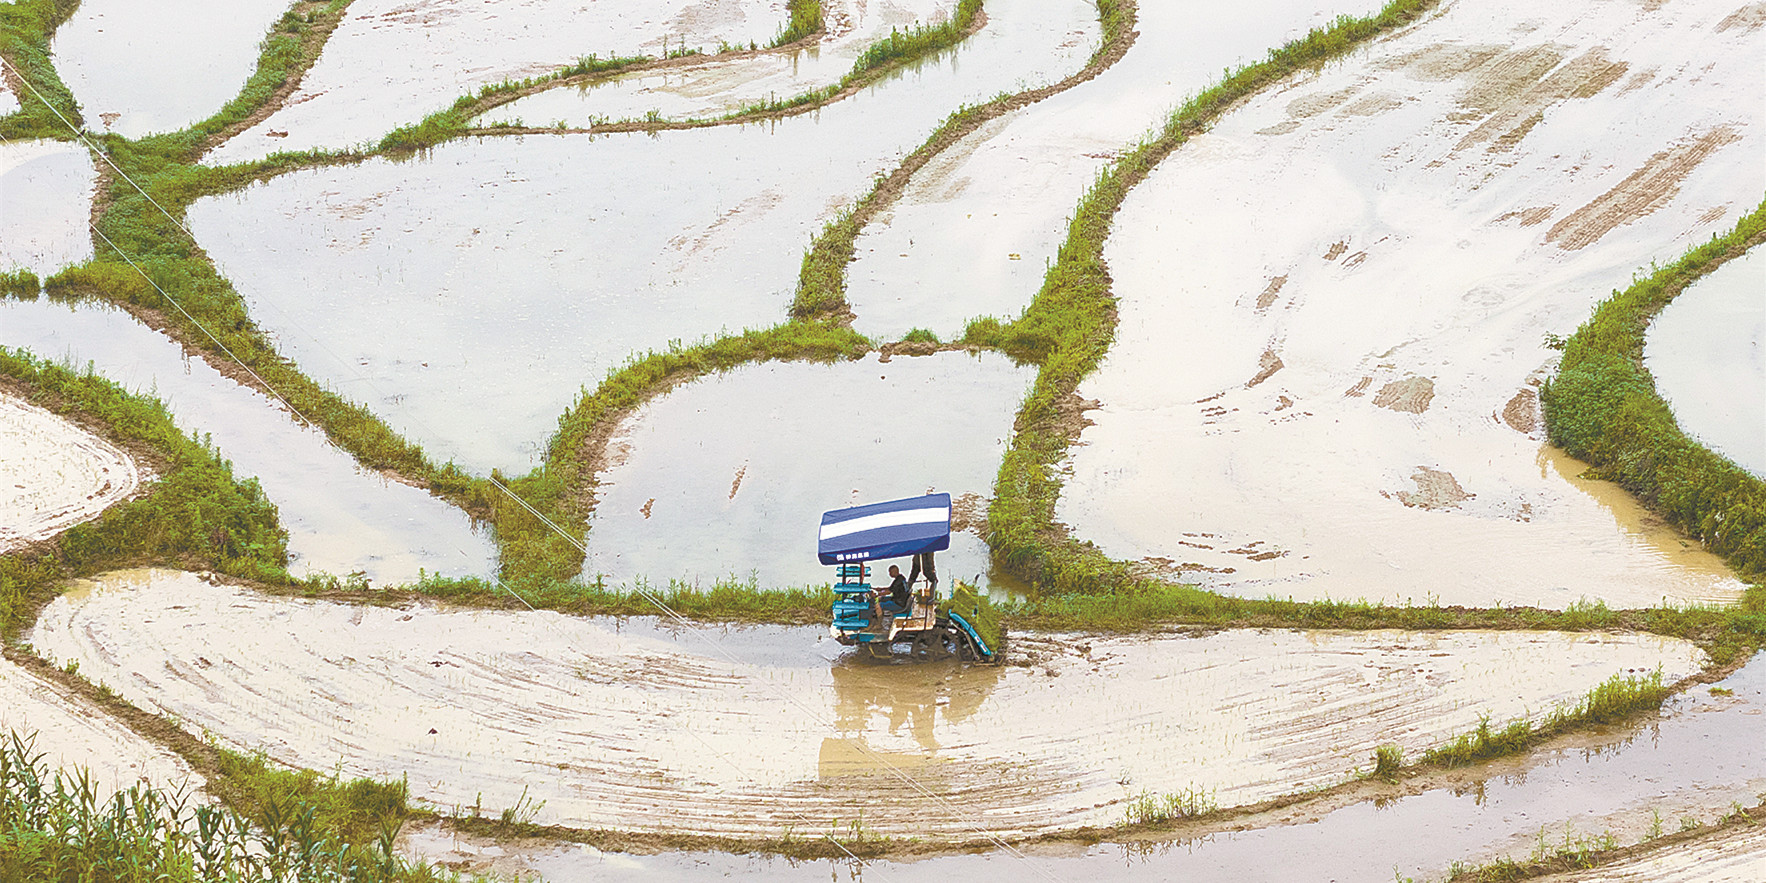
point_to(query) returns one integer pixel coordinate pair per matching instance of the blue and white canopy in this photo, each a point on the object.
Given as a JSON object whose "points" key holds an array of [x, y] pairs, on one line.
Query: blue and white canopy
{"points": [[894, 529]]}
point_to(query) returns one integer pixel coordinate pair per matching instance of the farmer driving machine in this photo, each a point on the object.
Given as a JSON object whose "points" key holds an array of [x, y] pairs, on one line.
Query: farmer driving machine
{"points": [[959, 624]]}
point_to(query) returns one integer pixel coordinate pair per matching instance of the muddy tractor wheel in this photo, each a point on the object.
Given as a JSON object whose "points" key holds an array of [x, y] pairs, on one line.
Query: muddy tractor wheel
{"points": [[939, 643]]}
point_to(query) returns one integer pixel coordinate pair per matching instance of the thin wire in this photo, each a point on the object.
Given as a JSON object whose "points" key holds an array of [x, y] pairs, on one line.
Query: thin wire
{"points": [[654, 600]]}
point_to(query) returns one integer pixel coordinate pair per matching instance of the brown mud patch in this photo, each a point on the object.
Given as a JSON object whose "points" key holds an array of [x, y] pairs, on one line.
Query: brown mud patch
{"points": [[1642, 192], [1267, 365], [1266, 298], [1522, 412], [1410, 395], [1746, 19], [1435, 489]]}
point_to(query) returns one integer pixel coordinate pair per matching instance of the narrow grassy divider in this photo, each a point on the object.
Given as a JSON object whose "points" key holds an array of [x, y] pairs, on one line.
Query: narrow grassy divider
{"points": [[1618, 698], [195, 514], [1603, 407], [25, 29]]}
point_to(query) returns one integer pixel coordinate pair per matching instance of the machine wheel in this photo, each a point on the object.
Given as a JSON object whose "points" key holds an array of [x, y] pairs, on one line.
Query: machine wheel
{"points": [[939, 643]]}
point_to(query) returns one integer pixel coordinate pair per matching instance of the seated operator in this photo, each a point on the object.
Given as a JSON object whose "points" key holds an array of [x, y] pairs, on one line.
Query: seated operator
{"points": [[898, 595]]}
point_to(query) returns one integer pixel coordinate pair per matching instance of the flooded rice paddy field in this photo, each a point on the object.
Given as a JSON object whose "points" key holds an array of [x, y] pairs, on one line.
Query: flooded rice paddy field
{"points": [[1707, 352], [702, 89], [1326, 384], [986, 216], [392, 62], [48, 187], [139, 68], [71, 735], [522, 269], [340, 517], [54, 474], [748, 731], [862, 431]]}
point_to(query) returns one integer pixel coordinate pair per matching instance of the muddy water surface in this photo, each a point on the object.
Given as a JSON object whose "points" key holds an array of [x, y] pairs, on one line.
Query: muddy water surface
{"points": [[70, 734], [54, 474], [750, 730], [772, 446], [1707, 352], [520, 270], [1059, 32], [1326, 386], [340, 517], [973, 233], [48, 187], [137, 68], [1703, 753], [392, 62]]}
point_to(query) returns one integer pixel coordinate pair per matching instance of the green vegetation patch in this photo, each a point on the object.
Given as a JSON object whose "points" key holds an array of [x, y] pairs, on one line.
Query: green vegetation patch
{"points": [[1618, 698], [25, 29], [54, 827], [1603, 407], [195, 514]]}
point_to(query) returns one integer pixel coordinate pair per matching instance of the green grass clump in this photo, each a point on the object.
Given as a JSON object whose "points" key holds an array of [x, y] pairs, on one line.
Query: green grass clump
{"points": [[919, 335], [1603, 407], [1147, 808], [1388, 760], [918, 41], [21, 283], [54, 828], [805, 21]]}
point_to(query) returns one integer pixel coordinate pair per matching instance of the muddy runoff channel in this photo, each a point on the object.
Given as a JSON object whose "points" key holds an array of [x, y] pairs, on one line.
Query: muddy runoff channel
{"points": [[340, 517], [858, 431], [558, 257], [757, 731], [1707, 352], [1327, 385], [1704, 753], [391, 62]]}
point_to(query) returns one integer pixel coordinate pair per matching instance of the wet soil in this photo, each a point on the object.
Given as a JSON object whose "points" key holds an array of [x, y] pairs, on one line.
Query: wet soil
{"points": [[54, 474], [748, 731], [71, 734], [1417, 280], [1699, 756]]}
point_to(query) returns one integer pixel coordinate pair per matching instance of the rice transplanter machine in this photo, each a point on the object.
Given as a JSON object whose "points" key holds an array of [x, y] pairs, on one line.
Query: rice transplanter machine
{"points": [[930, 627]]}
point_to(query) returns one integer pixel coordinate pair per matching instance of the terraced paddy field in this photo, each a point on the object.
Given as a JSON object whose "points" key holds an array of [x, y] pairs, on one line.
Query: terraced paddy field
{"points": [[414, 420]]}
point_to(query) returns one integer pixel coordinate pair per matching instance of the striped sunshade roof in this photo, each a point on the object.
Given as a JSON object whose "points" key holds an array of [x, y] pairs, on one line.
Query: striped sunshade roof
{"points": [[894, 529]]}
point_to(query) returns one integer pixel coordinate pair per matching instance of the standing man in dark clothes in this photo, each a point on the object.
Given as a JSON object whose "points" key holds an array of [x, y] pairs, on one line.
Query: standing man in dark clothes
{"points": [[923, 564]]}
